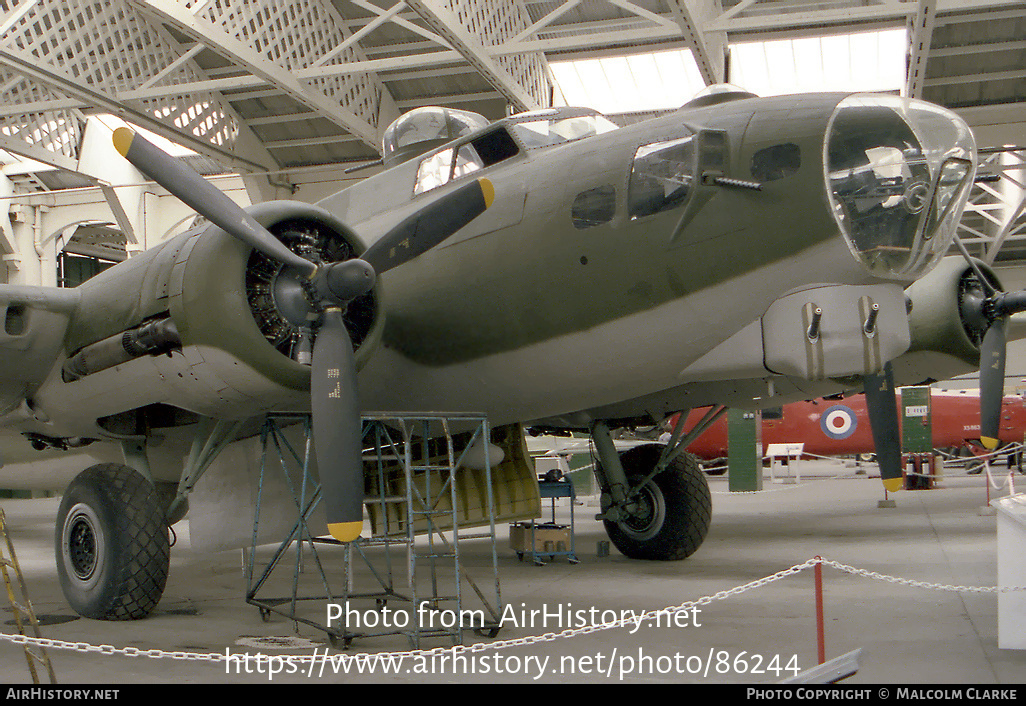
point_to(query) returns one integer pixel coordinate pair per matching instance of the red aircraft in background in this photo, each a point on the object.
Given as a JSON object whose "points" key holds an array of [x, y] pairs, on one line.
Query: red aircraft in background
{"points": [[841, 427]]}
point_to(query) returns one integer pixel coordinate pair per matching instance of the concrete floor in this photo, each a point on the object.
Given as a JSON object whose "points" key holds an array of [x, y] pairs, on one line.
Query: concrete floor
{"points": [[908, 635]]}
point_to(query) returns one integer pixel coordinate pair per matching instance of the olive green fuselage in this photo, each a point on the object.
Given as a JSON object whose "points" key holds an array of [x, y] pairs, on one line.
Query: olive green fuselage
{"points": [[523, 314], [527, 313], [524, 273]]}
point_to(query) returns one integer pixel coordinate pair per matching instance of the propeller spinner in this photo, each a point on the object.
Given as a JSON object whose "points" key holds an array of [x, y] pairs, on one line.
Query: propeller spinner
{"points": [[322, 292]]}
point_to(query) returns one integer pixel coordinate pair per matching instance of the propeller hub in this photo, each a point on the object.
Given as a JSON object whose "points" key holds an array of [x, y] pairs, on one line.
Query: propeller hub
{"points": [[973, 308], [345, 281]]}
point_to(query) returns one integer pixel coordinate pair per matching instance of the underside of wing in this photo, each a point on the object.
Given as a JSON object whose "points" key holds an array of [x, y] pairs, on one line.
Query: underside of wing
{"points": [[35, 320]]}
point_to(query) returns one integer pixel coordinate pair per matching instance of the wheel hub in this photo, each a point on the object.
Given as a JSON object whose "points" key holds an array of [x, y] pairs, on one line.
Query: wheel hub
{"points": [[82, 547], [645, 514]]}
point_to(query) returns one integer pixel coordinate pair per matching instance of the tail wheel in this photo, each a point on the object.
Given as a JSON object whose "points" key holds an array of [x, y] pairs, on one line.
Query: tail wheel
{"points": [[669, 517], [112, 546]]}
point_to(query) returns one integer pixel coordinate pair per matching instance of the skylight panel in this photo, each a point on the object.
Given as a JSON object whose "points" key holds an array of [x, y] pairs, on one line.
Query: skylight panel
{"points": [[666, 80], [864, 61], [652, 81]]}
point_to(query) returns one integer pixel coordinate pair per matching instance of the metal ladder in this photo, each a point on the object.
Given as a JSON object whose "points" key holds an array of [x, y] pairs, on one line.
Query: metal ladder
{"points": [[435, 575], [22, 610]]}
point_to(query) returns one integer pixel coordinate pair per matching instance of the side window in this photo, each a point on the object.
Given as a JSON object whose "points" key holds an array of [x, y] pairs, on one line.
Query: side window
{"points": [[661, 176], [495, 147], [776, 162], [593, 207], [441, 167]]}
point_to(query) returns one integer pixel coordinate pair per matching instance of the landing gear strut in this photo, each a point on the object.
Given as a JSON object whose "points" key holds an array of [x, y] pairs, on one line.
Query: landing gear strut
{"points": [[112, 546]]}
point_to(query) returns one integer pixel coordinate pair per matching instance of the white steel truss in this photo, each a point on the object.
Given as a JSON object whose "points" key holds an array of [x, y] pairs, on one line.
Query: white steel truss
{"points": [[275, 39], [995, 217], [469, 26], [329, 75], [58, 59]]}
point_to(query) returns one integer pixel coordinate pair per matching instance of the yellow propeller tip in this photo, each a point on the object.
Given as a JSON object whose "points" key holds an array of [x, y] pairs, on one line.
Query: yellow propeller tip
{"points": [[892, 485], [123, 140], [488, 191], [989, 443], [345, 531]]}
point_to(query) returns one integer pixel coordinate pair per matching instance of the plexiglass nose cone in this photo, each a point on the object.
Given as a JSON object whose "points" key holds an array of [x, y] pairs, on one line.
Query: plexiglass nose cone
{"points": [[898, 173]]}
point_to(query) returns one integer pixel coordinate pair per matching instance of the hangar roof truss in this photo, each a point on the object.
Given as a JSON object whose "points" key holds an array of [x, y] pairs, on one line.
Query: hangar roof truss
{"points": [[288, 85]]}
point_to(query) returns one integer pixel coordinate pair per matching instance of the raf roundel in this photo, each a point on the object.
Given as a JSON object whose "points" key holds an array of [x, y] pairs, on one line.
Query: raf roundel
{"points": [[838, 422]]}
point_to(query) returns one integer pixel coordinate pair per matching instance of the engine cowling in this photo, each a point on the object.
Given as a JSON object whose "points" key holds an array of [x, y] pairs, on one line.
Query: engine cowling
{"points": [[946, 331], [226, 297]]}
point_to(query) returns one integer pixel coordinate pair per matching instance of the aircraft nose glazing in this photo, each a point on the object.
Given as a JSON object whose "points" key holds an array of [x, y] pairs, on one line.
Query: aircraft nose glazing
{"points": [[897, 174]]}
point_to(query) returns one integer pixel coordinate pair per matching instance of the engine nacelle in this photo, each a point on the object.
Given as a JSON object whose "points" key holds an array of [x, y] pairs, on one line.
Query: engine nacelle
{"points": [[225, 296], [945, 337], [238, 355]]}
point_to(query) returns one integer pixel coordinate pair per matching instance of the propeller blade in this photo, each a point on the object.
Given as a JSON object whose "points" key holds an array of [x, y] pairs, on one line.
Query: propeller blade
{"points": [[197, 193], [337, 427], [1012, 303], [992, 382], [882, 406], [430, 225]]}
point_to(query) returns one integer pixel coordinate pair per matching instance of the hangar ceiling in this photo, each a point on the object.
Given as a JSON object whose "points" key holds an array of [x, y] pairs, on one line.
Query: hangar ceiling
{"points": [[276, 87]]}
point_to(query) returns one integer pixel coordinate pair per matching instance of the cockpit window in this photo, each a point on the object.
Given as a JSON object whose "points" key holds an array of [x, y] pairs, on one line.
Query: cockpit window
{"points": [[661, 176], [440, 168], [455, 162], [555, 130]]}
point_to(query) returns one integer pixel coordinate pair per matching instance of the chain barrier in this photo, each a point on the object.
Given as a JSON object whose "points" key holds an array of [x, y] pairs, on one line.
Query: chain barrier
{"points": [[950, 463], [656, 615], [985, 466], [919, 584], [972, 465]]}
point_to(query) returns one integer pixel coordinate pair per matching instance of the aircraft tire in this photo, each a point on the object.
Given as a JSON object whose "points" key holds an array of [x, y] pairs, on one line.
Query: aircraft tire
{"points": [[112, 547], [673, 512]]}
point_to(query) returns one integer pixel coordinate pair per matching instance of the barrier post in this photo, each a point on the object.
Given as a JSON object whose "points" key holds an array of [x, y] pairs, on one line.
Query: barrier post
{"points": [[820, 638], [988, 509]]}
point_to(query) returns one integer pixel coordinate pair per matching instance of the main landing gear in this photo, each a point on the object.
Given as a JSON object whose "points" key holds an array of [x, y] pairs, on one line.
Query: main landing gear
{"points": [[655, 499], [112, 545]]}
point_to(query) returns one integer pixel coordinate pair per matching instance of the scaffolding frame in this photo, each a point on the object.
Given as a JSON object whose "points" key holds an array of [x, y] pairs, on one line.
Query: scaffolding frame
{"points": [[416, 493]]}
